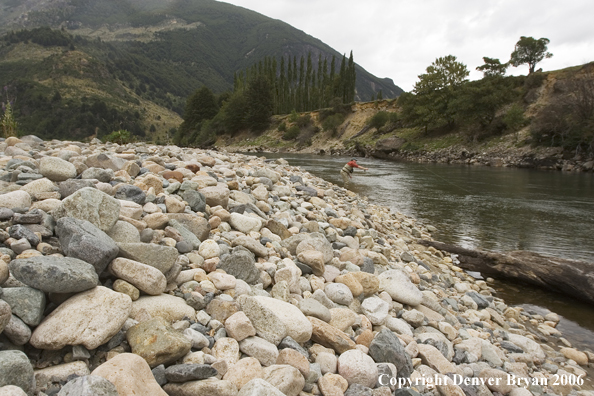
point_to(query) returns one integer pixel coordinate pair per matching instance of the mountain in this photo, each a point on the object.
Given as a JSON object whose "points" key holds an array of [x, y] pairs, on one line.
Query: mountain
{"points": [[100, 64]]}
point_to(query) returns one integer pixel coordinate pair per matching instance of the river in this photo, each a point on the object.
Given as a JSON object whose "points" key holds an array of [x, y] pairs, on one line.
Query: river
{"points": [[498, 209]]}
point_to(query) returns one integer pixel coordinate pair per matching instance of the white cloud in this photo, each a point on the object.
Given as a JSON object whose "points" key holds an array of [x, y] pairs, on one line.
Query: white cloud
{"points": [[399, 39]]}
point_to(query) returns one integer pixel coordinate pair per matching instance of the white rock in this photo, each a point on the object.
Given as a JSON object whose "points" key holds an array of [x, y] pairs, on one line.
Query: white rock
{"points": [[245, 223], [376, 310], [339, 293], [90, 318], [15, 199], [297, 325], [397, 284], [168, 307], [56, 169], [259, 348], [357, 368], [209, 249]]}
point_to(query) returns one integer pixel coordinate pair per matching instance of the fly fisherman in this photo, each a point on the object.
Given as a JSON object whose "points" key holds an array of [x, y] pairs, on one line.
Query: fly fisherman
{"points": [[347, 170]]}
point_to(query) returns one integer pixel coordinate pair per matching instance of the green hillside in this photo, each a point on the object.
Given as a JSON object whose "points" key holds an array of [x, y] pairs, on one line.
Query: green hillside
{"points": [[133, 63]]}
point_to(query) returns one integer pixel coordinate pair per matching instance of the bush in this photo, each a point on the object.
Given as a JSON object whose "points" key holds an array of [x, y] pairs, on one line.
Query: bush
{"points": [[294, 116], [120, 137], [303, 121], [534, 80], [378, 120], [514, 118], [292, 133], [332, 123], [282, 127]]}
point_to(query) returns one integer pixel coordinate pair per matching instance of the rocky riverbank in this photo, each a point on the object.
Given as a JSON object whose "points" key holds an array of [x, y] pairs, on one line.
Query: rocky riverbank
{"points": [[150, 270], [547, 159]]}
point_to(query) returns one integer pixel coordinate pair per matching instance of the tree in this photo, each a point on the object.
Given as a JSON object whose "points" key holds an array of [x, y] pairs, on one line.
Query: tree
{"points": [[530, 51], [443, 73], [201, 106], [492, 67], [434, 91], [260, 104]]}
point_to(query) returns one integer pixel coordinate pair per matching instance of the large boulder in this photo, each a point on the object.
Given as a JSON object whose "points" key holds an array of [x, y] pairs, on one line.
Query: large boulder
{"points": [[55, 274], [83, 240], [130, 374], [92, 205], [90, 319]]}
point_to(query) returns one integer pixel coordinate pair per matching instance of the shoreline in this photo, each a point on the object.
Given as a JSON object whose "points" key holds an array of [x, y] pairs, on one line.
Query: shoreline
{"points": [[211, 250]]}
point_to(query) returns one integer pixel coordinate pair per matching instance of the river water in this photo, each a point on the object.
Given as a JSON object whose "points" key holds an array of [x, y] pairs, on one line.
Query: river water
{"points": [[498, 209]]}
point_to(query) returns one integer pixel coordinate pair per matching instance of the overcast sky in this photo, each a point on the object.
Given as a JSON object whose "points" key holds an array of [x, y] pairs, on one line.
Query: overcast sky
{"points": [[399, 39]]}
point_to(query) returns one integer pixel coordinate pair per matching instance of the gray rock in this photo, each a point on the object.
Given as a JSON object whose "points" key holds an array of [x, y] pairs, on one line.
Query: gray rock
{"points": [[195, 199], [406, 392], [358, 390], [186, 234], [189, 372], [241, 264], [158, 256], [92, 205], [386, 348], [17, 331], [83, 240], [481, 301], [5, 314], [103, 175], [33, 217], [15, 369], [6, 214], [19, 231], [288, 342], [89, 385], [124, 232], [159, 374], [131, 193], [199, 226], [69, 187], [26, 303], [312, 307], [292, 242], [308, 190], [55, 274]]}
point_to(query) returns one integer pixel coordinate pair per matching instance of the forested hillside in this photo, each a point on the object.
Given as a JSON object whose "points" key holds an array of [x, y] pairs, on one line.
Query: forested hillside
{"points": [[108, 64]]}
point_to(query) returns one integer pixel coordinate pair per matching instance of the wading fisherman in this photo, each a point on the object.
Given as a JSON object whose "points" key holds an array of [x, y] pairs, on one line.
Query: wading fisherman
{"points": [[347, 170]]}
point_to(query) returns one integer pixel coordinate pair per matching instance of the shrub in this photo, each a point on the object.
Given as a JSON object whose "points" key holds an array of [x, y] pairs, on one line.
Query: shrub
{"points": [[378, 120], [282, 127], [514, 118], [292, 133], [332, 123], [293, 116], [303, 121], [120, 137]]}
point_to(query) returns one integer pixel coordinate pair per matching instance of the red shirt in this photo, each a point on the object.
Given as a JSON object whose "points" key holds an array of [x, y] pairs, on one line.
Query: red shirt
{"points": [[353, 164]]}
